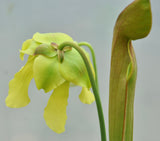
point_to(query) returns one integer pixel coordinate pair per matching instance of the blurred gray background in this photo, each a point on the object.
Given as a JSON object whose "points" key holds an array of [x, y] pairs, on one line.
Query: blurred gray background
{"points": [[84, 20]]}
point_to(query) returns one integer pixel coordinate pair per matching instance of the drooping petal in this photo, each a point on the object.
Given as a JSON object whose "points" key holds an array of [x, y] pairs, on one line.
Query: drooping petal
{"points": [[18, 86], [46, 73], [25, 46], [48, 38], [73, 69], [86, 96], [55, 111], [28, 47]]}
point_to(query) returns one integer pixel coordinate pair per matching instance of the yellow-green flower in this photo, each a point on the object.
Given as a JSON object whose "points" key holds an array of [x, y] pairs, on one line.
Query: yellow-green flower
{"points": [[51, 69]]}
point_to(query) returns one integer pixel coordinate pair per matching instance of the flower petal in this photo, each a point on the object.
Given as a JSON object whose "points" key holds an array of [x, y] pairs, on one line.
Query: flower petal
{"points": [[48, 38], [46, 73], [73, 69], [28, 47], [86, 96], [25, 46], [55, 111], [18, 86]]}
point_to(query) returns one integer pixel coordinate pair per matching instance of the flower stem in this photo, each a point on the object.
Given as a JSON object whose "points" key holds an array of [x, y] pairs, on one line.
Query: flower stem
{"points": [[94, 86], [93, 59]]}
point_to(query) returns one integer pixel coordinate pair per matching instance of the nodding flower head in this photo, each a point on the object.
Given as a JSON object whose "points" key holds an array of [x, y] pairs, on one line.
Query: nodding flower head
{"points": [[53, 70]]}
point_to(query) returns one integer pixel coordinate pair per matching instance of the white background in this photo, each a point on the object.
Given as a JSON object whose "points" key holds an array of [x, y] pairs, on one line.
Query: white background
{"points": [[84, 20]]}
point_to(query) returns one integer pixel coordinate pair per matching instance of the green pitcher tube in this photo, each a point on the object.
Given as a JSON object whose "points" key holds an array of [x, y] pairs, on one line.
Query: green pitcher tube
{"points": [[133, 23]]}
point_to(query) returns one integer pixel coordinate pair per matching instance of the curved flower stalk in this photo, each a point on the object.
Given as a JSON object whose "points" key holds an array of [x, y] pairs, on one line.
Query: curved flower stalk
{"points": [[133, 23], [45, 66], [93, 83]]}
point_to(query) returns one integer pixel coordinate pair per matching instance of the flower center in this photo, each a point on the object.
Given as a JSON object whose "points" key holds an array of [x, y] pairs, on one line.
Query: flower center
{"points": [[60, 53]]}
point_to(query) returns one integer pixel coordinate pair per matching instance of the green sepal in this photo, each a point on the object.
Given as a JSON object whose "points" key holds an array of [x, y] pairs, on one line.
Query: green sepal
{"points": [[28, 47], [73, 69], [48, 38], [46, 73]]}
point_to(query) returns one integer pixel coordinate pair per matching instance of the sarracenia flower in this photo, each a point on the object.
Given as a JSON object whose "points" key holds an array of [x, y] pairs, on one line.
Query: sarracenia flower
{"points": [[52, 69]]}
